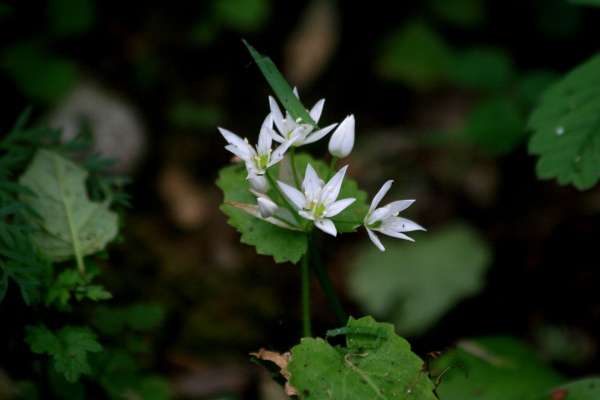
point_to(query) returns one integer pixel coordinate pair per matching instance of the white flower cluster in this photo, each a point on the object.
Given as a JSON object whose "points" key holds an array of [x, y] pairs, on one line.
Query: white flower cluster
{"points": [[315, 200]]}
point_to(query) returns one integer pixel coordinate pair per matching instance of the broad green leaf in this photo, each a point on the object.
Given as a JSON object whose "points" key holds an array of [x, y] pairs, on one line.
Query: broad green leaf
{"points": [[582, 389], [415, 284], [283, 244], [386, 369], [68, 347], [566, 127], [532, 84], [496, 125], [483, 68], [416, 56], [39, 76], [72, 226], [144, 317], [280, 86], [462, 13], [495, 368]]}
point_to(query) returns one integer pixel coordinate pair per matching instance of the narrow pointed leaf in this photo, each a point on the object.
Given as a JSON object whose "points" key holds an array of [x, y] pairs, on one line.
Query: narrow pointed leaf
{"points": [[280, 86]]}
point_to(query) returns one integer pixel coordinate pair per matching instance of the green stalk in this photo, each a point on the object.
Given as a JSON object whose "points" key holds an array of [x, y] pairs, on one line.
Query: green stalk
{"points": [[330, 173], [306, 297], [341, 319], [293, 162]]}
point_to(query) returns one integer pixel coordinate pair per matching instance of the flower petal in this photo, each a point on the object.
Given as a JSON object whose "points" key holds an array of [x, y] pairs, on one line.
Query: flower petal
{"points": [[313, 137], [326, 226], [378, 215], [398, 224], [375, 240], [342, 140], [394, 234], [399, 205], [312, 184], [244, 155], [276, 136], [339, 206], [293, 194], [259, 183], [306, 215], [266, 207], [315, 112], [233, 139], [382, 192], [331, 190], [277, 115]]}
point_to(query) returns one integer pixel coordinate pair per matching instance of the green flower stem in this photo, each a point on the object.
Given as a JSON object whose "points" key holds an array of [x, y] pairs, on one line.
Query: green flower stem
{"points": [[330, 173], [339, 313], [293, 163], [306, 297]]}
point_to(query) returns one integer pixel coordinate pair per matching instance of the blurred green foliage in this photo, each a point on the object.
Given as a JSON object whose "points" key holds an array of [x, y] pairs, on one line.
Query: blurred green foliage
{"points": [[415, 284]]}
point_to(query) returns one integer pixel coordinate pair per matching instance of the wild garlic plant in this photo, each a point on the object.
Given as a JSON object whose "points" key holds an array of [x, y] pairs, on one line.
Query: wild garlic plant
{"points": [[278, 199], [296, 193]]}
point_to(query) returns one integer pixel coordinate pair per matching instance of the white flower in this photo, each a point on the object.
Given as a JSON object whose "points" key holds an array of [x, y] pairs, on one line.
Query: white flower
{"points": [[259, 183], [282, 218], [259, 159], [318, 202], [266, 207], [386, 220], [288, 128], [342, 140]]}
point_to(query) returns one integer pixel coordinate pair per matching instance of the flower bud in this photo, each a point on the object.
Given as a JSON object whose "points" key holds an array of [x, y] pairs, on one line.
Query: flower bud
{"points": [[267, 207], [259, 183], [342, 140]]}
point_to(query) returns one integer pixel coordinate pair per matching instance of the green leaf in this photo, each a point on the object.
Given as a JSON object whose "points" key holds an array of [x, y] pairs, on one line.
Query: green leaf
{"points": [[365, 370], [71, 17], [582, 389], [23, 274], [416, 56], [95, 292], [415, 284], [282, 89], [498, 368], [72, 225], [144, 317], [243, 15], [68, 347], [462, 13], [283, 244], [496, 125], [532, 84], [40, 76], [484, 68], [566, 127]]}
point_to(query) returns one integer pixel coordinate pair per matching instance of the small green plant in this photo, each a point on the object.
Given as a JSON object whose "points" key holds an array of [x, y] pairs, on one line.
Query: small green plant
{"points": [[277, 198], [57, 218]]}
